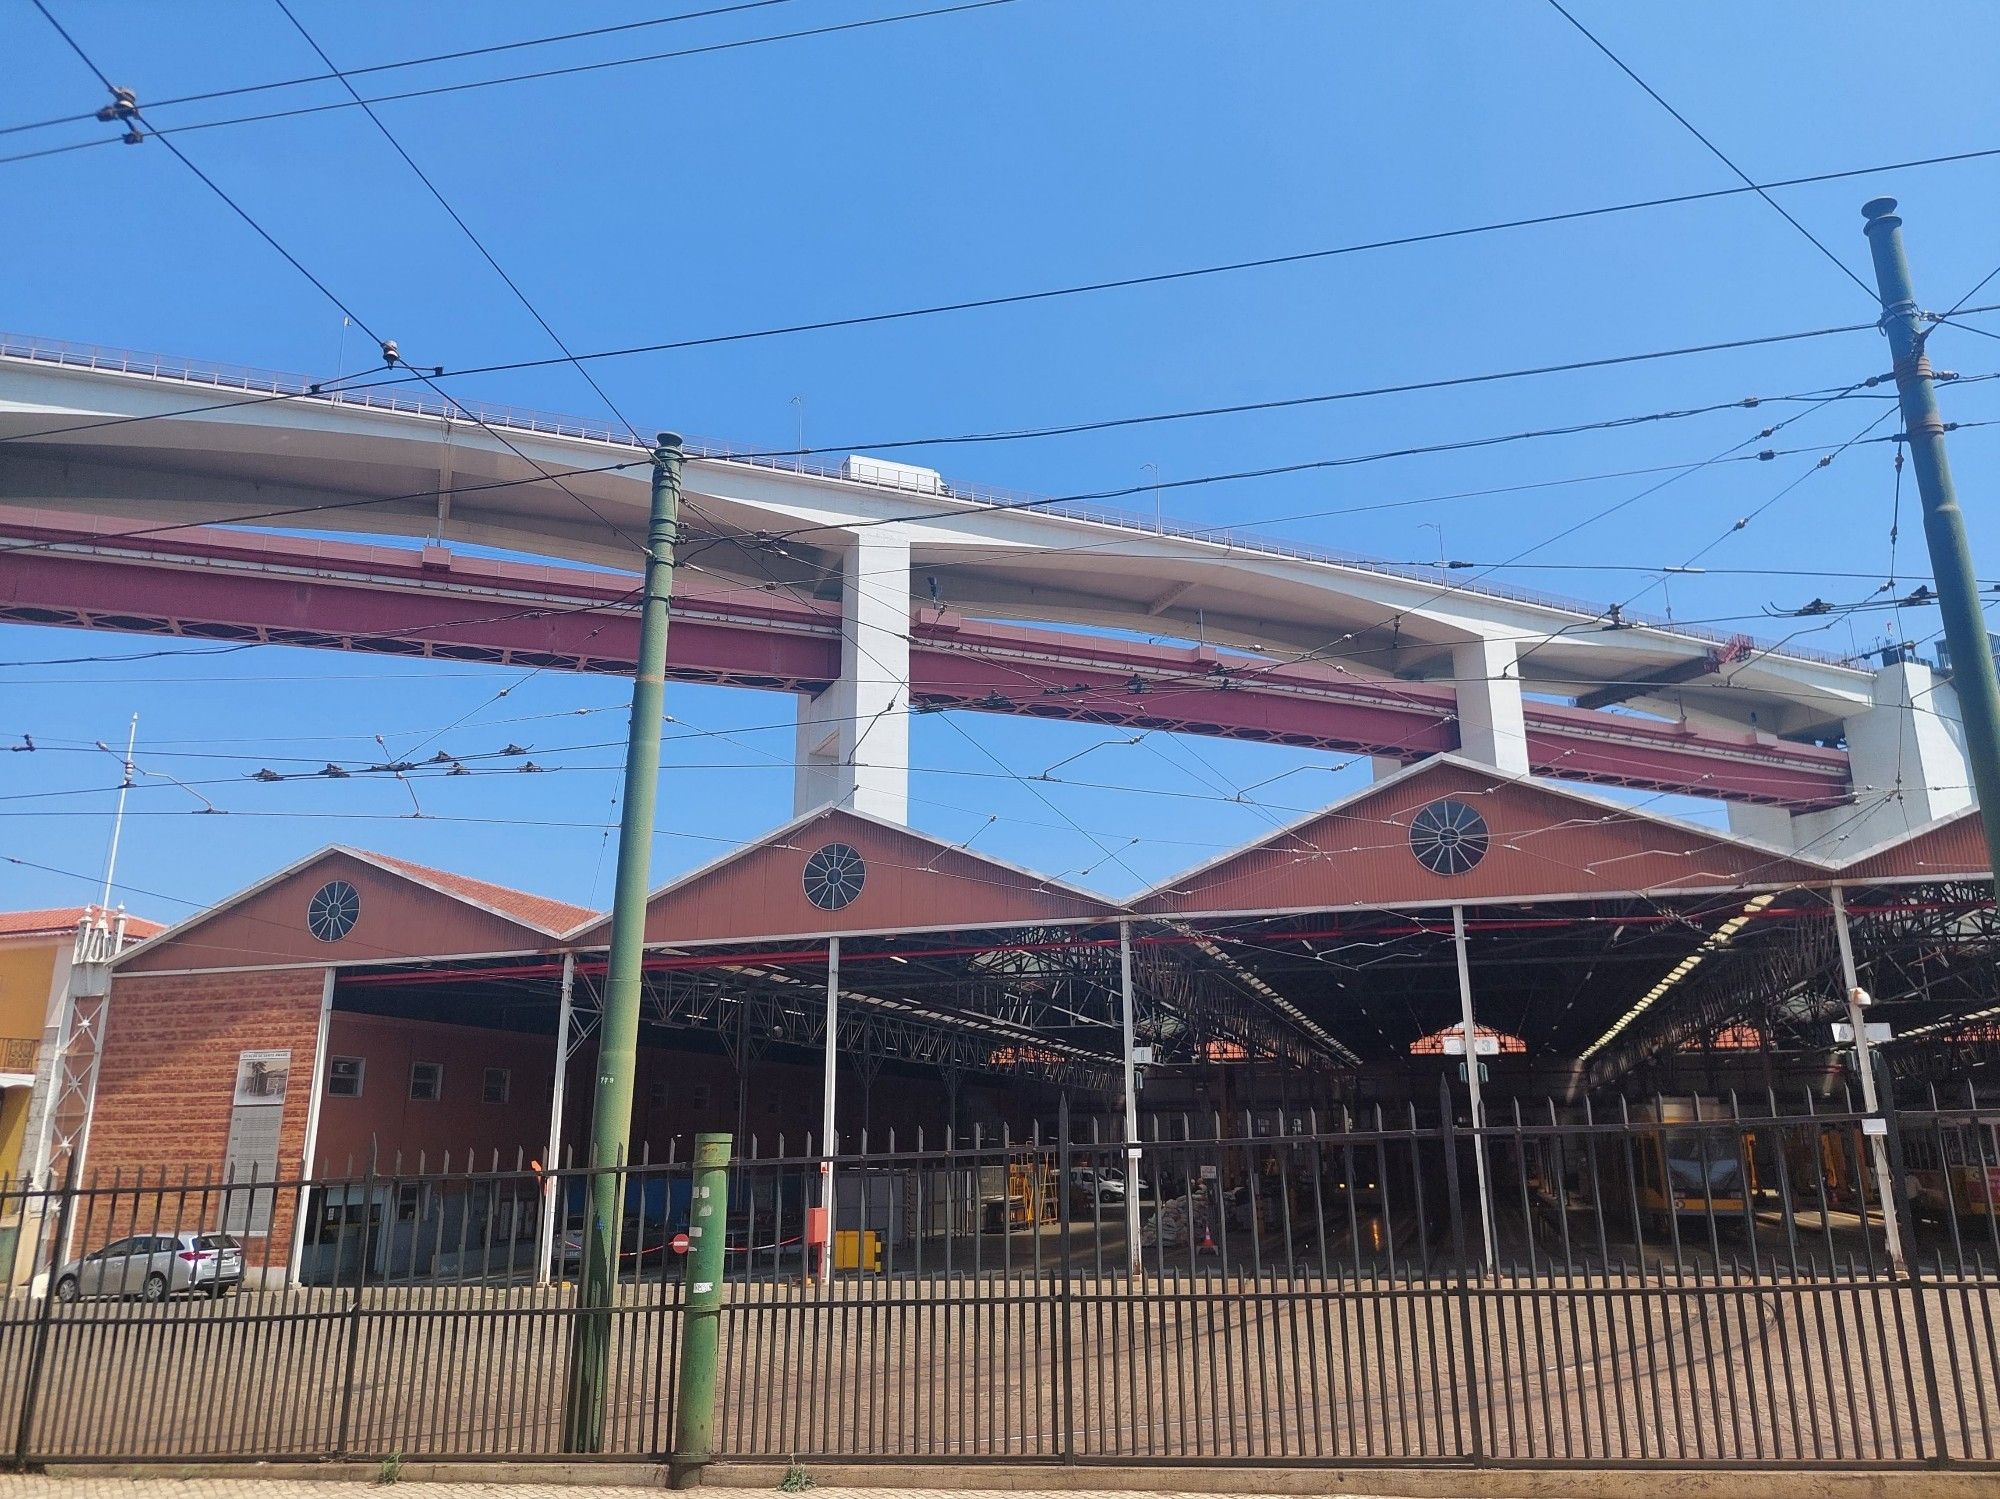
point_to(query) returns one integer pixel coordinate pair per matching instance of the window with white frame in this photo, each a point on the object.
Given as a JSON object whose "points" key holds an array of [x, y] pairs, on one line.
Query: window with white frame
{"points": [[498, 1082], [343, 1076], [426, 1082]]}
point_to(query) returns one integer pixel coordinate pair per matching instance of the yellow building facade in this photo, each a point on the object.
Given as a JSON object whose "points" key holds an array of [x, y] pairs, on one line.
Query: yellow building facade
{"points": [[37, 949]]}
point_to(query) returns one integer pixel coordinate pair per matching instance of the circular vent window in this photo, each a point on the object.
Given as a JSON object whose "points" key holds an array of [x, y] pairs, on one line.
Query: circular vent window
{"points": [[1448, 837], [333, 910], [834, 876]]}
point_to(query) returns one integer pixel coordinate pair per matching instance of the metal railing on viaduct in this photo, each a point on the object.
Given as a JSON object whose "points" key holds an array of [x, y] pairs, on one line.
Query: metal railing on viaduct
{"points": [[1683, 1282]]}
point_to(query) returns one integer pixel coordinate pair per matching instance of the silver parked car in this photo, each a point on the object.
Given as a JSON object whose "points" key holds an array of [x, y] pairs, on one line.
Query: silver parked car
{"points": [[155, 1266]]}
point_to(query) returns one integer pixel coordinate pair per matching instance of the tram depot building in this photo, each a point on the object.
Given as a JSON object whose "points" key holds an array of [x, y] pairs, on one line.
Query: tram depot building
{"points": [[357, 1012]]}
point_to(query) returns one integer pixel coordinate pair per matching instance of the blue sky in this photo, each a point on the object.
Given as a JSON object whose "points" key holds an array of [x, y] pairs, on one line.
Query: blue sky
{"points": [[1028, 144]]}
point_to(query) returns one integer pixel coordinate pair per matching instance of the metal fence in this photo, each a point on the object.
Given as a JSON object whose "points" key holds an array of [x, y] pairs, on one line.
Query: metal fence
{"points": [[1673, 1281]]}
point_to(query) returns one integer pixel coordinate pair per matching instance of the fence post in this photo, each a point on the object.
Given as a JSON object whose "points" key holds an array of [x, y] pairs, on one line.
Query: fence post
{"points": [[1066, 1431], [354, 1310], [1448, 1118], [1886, 1088], [694, 1392], [38, 1352]]}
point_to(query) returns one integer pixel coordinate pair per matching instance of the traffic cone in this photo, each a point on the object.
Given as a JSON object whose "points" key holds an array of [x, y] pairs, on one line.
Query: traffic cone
{"points": [[1207, 1240]]}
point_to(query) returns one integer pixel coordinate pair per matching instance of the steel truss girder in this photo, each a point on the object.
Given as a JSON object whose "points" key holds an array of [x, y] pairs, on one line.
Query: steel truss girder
{"points": [[218, 584], [1934, 944], [1793, 976], [699, 1002], [1189, 1005]]}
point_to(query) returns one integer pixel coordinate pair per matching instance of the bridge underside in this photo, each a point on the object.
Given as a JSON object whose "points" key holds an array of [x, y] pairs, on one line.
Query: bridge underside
{"points": [[210, 583]]}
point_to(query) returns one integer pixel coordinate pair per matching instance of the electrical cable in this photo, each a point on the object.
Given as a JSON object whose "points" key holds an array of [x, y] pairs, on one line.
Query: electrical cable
{"points": [[1017, 298], [1713, 149], [1284, 403], [1318, 653], [573, 70], [327, 507], [324, 290], [426, 380], [412, 62], [1042, 502], [465, 228], [241, 213], [1951, 322], [318, 284], [1616, 612]]}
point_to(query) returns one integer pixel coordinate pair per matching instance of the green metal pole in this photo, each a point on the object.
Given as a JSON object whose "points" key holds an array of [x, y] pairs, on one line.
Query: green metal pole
{"points": [[618, 1034], [701, 1309], [1972, 672]]}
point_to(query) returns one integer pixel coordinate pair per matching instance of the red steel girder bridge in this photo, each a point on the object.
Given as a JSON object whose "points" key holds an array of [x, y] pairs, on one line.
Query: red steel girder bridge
{"points": [[214, 583]]}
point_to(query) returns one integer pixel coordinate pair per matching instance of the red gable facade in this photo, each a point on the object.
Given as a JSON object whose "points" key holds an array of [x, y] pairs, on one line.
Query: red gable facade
{"points": [[834, 872], [1448, 830]]}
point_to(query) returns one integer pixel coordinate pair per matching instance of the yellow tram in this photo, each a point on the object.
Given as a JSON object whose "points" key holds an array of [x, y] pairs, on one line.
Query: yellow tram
{"points": [[1954, 1169], [1692, 1163]]}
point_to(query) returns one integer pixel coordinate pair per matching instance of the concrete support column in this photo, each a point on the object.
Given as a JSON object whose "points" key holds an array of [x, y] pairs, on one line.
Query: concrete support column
{"points": [[1906, 752], [1910, 745], [1491, 726], [854, 738]]}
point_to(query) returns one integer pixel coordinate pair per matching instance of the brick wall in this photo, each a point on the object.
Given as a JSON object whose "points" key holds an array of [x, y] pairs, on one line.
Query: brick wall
{"points": [[454, 1130], [168, 1074]]}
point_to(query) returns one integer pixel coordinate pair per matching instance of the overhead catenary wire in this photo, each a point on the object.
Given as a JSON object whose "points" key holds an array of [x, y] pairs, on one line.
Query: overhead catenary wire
{"points": [[239, 91], [1149, 486], [264, 234], [1713, 149], [1317, 654], [295, 262], [331, 506], [573, 70], [431, 187], [487, 255], [1285, 403]]}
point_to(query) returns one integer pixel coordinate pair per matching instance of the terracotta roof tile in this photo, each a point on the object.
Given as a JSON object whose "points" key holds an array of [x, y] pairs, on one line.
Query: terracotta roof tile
{"points": [[59, 921], [555, 916]]}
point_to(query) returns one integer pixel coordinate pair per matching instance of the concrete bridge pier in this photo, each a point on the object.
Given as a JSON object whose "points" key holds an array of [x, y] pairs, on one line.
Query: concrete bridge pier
{"points": [[854, 738], [1907, 753]]}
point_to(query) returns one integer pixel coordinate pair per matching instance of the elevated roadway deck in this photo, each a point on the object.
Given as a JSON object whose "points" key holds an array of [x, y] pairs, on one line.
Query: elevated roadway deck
{"points": [[863, 589]]}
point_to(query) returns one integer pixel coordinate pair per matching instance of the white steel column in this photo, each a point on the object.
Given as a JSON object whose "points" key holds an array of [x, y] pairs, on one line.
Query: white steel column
{"points": [[854, 738], [545, 1253], [1492, 728], [317, 1079], [1864, 1063], [1471, 1033], [828, 1141], [1133, 1257]]}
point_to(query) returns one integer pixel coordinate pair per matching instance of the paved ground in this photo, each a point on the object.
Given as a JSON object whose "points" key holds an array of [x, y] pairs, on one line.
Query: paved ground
{"points": [[256, 1488], [72, 1487], [1739, 1369]]}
